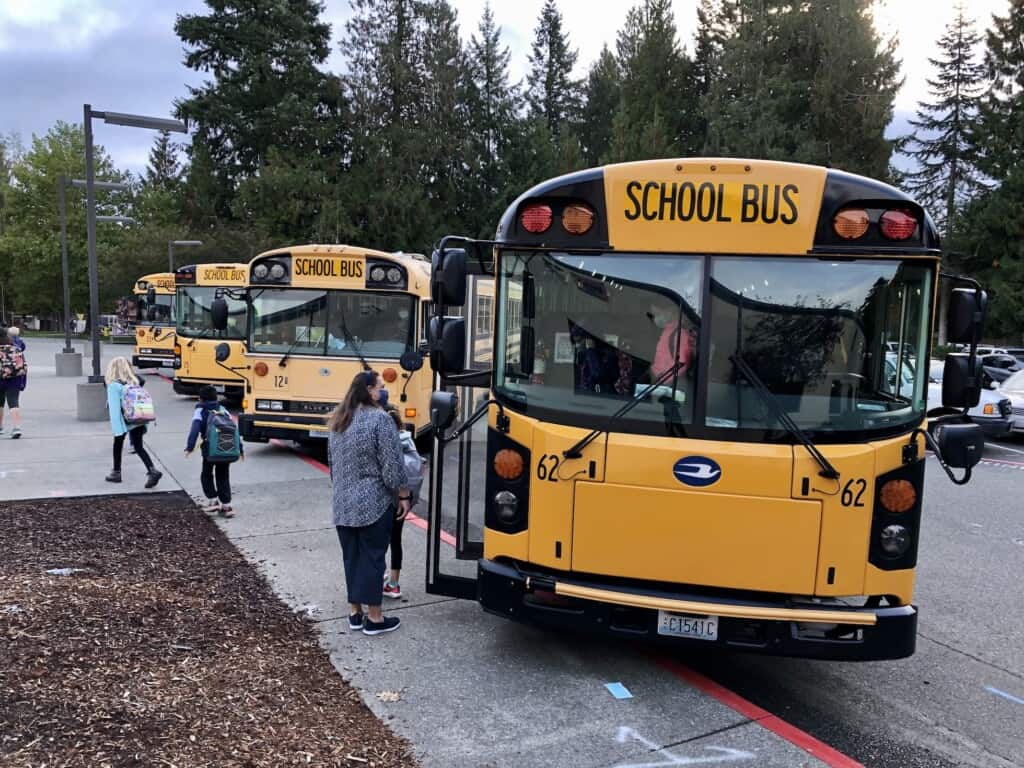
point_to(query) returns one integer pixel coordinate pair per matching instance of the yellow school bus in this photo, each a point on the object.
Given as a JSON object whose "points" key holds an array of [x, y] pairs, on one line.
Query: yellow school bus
{"points": [[154, 329], [197, 286], [318, 314], [689, 430]]}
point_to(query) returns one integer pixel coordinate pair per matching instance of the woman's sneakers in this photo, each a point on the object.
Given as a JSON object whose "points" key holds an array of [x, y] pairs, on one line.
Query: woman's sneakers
{"points": [[114, 476], [152, 477], [386, 624], [15, 433], [393, 591]]}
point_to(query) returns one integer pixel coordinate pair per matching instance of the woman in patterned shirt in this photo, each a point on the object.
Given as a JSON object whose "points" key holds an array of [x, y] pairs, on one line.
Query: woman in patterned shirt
{"points": [[368, 494]]}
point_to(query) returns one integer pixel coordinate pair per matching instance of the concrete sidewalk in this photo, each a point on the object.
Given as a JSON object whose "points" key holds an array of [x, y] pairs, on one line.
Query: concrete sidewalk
{"points": [[465, 688]]}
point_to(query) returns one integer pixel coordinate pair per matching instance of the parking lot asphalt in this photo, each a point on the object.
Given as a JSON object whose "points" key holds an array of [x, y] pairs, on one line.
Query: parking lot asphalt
{"points": [[470, 689]]}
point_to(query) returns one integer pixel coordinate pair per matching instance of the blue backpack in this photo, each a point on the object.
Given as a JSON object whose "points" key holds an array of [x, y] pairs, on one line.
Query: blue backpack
{"points": [[223, 443]]}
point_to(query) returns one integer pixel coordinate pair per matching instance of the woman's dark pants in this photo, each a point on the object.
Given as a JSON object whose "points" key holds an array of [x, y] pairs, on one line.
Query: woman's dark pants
{"points": [[363, 551]]}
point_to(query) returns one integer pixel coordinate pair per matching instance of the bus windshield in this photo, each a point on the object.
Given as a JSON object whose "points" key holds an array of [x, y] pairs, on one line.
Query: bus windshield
{"points": [[825, 337], [157, 313], [193, 313], [332, 323]]}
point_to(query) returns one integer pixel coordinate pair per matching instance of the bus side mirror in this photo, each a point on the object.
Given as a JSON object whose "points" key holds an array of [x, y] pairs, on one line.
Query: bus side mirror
{"points": [[965, 317], [442, 410], [959, 387], [960, 445], [221, 352], [448, 277], [447, 337], [219, 314]]}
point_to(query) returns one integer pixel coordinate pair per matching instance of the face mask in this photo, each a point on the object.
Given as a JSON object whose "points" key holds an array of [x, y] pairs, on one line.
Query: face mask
{"points": [[382, 399], [659, 319]]}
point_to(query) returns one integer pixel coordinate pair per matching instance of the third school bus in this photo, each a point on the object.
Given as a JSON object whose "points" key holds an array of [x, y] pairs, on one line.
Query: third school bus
{"points": [[318, 314], [687, 430], [197, 285], [154, 329]]}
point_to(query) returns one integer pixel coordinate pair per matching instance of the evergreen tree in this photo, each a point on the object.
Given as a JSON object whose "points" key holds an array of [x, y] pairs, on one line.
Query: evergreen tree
{"points": [[714, 20], [266, 91], [164, 170], [493, 105], [804, 82], [603, 92], [658, 108], [991, 240], [946, 175], [553, 94]]}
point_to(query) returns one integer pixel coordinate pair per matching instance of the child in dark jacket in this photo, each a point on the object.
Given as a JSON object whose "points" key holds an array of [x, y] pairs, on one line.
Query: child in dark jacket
{"points": [[214, 477]]}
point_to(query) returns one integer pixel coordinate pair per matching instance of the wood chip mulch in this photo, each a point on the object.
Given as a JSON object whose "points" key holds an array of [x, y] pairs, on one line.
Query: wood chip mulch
{"points": [[165, 648]]}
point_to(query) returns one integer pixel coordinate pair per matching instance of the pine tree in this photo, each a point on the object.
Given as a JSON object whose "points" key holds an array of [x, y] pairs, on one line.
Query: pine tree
{"points": [[714, 20], [164, 170], [553, 94], [946, 175], [603, 93], [493, 105], [657, 112], [1001, 131], [266, 90], [805, 82]]}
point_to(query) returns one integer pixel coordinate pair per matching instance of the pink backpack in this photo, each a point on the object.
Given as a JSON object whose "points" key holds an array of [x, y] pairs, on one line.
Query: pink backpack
{"points": [[137, 405]]}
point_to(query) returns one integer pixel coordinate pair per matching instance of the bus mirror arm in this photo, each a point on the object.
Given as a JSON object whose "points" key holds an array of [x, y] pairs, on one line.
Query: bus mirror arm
{"points": [[937, 450], [481, 411]]}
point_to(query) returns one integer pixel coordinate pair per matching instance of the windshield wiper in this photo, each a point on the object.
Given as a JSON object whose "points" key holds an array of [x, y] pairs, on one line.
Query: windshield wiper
{"points": [[350, 340], [576, 451], [827, 470], [309, 330]]}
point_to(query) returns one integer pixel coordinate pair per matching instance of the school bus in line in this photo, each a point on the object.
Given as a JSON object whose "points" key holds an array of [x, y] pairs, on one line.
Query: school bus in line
{"points": [[197, 285], [688, 431], [154, 329], [319, 314]]}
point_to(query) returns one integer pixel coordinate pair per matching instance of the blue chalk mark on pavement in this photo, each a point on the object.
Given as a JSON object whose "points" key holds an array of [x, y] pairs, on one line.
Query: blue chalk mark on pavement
{"points": [[1004, 694], [619, 691]]}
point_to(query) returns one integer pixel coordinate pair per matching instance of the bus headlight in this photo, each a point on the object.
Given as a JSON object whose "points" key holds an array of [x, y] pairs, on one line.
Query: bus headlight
{"points": [[507, 505], [269, 405], [894, 540]]}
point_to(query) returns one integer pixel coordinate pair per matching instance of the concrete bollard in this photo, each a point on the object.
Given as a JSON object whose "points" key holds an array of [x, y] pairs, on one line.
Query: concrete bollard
{"points": [[68, 363], [92, 401]]}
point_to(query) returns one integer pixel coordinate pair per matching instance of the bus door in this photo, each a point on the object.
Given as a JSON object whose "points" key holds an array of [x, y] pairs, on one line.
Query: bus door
{"points": [[458, 466]]}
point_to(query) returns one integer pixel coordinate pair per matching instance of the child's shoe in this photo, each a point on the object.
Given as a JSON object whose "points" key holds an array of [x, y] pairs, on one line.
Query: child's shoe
{"points": [[226, 511], [210, 506], [392, 590], [114, 476], [153, 477]]}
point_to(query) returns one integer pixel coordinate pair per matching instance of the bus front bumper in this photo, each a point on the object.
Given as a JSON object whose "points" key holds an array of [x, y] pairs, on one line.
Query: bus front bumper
{"points": [[812, 630], [260, 428]]}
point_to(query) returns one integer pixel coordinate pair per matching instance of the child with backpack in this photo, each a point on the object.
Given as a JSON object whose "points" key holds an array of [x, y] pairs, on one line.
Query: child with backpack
{"points": [[413, 463], [221, 446], [131, 409], [13, 375]]}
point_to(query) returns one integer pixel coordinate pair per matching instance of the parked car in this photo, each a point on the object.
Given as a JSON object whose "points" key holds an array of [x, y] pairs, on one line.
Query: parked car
{"points": [[1013, 388], [1017, 352], [993, 413], [1002, 360]]}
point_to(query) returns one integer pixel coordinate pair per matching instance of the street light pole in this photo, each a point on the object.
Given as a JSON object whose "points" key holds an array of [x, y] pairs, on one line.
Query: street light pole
{"points": [[90, 229], [61, 185]]}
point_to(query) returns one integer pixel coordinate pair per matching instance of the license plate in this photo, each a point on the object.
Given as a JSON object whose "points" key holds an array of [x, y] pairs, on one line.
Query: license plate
{"points": [[318, 433], [687, 625]]}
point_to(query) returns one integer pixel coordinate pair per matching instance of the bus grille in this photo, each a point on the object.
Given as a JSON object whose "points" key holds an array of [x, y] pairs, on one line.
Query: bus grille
{"points": [[307, 407]]}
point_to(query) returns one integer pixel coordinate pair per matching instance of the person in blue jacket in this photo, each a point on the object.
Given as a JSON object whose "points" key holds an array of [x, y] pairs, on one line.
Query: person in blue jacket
{"points": [[119, 375], [216, 478]]}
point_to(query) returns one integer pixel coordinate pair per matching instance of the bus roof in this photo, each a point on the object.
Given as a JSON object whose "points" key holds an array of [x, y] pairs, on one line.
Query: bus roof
{"points": [[416, 263], [213, 275], [720, 205], [163, 282]]}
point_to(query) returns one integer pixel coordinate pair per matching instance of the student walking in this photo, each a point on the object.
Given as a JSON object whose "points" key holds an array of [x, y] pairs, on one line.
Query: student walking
{"points": [[220, 447], [121, 380], [413, 463], [13, 377], [368, 493]]}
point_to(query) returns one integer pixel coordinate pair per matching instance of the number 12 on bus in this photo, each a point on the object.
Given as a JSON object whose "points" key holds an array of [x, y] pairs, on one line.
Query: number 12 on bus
{"points": [[689, 429]]}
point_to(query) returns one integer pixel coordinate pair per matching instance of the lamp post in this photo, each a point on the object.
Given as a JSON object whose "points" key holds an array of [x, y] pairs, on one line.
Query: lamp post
{"points": [[91, 395], [69, 362], [170, 250]]}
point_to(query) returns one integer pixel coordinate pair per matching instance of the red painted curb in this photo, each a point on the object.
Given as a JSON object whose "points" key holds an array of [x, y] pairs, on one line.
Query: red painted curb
{"points": [[795, 736]]}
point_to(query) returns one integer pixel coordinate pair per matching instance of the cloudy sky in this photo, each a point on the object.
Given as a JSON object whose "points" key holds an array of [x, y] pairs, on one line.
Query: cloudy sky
{"points": [[123, 55]]}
